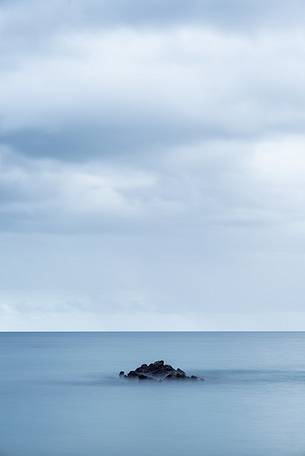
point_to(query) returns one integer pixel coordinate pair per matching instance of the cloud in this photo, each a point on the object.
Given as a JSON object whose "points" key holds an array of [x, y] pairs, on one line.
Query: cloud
{"points": [[211, 183], [35, 17], [153, 156], [94, 97], [53, 193]]}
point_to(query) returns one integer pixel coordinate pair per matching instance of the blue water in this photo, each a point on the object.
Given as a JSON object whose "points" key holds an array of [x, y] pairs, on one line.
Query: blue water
{"points": [[60, 395]]}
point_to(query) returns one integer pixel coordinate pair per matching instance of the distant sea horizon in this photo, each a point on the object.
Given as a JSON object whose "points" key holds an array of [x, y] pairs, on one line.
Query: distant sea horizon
{"points": [[152, 331]]}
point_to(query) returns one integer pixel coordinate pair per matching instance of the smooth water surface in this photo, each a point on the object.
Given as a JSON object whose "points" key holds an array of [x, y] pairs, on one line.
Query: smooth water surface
{"points": [[60, 395]]}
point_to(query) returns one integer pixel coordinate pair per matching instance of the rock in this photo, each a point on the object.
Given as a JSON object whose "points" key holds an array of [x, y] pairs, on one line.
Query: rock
{"points": [[132, 374], [158, 371]]}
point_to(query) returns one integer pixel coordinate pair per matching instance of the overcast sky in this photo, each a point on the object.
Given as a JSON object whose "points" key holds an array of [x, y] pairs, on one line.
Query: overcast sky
{"points": [[152, 165]]}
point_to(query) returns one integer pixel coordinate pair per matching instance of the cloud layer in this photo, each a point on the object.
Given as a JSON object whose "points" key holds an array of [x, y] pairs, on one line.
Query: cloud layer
{"points": [[175, 128]]}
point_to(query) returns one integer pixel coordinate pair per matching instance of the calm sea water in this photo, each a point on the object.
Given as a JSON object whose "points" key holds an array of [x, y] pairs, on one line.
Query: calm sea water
{"points": [[60, 395]]}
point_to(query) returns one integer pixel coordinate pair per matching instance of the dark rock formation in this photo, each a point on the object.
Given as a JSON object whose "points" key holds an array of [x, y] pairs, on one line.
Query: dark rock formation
{"points": [[158, 371]]}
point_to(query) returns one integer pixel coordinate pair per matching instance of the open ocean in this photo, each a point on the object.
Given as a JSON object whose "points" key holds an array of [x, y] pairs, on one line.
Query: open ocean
{"points": [[60, 395]]}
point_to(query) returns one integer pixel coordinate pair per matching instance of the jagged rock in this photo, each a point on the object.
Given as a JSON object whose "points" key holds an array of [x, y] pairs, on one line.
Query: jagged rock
{"points": [[158, 371]]}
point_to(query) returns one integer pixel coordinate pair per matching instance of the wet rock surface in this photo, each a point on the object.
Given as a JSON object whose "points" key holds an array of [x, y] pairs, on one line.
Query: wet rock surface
{"points": [[158, 371]]}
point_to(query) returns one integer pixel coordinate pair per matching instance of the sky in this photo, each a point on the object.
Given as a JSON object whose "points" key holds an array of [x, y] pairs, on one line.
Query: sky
{"points": [[152, 165]]}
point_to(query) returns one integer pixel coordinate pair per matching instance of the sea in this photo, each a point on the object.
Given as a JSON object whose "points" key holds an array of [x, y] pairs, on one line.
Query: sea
{"points": [[60, 394]]}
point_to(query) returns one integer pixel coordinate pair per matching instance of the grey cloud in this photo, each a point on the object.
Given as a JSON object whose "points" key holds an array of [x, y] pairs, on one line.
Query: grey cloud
{"points": [[152, 162], [234, 13], [192, 187], [31, 26], [112, 141], [92, 97]]}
